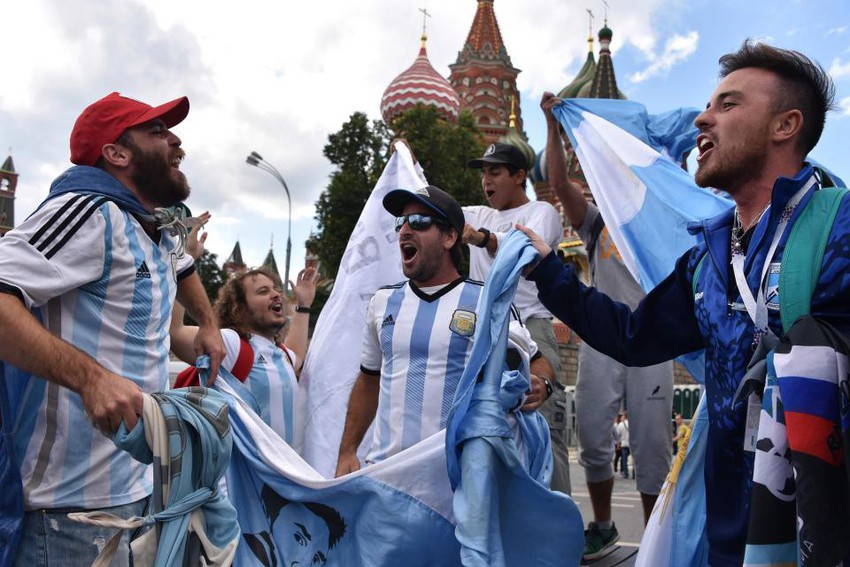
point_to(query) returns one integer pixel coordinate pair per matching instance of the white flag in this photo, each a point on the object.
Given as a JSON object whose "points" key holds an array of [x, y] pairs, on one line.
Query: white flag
{"points": [[371, 260]]}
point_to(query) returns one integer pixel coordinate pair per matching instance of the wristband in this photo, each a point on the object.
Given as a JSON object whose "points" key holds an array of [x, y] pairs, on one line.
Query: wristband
{"points": [[549, 388], [486, 233], [299, 309]]}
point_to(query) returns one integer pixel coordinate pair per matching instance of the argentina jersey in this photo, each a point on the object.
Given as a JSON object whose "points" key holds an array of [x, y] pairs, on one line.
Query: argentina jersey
{"points": [[93, 277], [272, 380], [420, 343]]}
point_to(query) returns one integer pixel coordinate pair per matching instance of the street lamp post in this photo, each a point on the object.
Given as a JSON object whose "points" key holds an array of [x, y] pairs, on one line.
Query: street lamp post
{"points": [[257, 160]]}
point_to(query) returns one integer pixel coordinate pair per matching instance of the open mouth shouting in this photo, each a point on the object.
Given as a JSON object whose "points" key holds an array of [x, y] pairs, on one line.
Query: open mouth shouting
{"points": [[408, 252], [277, 307], [705, 146], [177, 159]]}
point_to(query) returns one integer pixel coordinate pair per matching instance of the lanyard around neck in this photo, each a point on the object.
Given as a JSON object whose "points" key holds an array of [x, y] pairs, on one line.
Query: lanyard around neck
{"points": [[756, 306]]}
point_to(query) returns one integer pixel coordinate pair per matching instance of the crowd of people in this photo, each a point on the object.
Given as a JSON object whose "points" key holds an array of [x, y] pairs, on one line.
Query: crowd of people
{"points": [[95, 284]]}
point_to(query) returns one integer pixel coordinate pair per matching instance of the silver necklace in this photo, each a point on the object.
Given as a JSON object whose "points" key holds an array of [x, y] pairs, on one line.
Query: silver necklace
{"points": [[739, 230]]}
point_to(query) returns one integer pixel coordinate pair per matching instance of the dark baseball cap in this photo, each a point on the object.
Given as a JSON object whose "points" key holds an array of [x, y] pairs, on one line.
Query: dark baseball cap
{"points": [[103, 122], [501, 154], [432, 197]]}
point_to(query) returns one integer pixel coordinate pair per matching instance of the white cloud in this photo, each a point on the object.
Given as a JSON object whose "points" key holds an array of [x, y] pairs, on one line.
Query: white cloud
{"points": [[278, 77], [678, 49], [841, 30], [839, 69], [844, 106]]}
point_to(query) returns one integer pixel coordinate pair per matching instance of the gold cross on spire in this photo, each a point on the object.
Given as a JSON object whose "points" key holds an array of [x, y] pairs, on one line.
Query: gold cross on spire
{"points": [[425, 16], [589, 23]]}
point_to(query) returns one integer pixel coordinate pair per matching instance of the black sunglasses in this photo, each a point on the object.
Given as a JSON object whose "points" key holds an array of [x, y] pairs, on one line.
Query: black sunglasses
{"points": [[417, 221]]}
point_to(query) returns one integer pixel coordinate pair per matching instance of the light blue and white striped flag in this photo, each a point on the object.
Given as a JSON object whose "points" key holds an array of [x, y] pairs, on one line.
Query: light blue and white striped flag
{"points": [[631, 162]]}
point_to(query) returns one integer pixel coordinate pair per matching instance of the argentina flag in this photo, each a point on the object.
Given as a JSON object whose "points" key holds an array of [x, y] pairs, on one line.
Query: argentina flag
{"points": [[476, 495], [631, 161]]}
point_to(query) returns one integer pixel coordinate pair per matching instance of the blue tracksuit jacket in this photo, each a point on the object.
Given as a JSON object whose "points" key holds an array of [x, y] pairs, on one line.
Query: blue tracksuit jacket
{"points": [[681, 315]]}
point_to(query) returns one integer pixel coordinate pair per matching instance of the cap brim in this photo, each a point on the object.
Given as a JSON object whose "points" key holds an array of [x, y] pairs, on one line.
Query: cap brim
{"points": [[478, 163], [171, 113], [395, 201]]}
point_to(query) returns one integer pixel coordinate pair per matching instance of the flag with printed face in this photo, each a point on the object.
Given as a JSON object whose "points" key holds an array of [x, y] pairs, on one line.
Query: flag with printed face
{"points": [[371, 260], [396, 512]]}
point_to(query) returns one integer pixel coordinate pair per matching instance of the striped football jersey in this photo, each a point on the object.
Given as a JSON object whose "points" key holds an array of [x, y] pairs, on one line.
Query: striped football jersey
{"points": [[419, 343], [91, 275]]}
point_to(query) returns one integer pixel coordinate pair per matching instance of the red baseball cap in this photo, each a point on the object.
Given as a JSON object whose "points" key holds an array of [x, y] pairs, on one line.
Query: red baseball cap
{"points": [[104, 121]]}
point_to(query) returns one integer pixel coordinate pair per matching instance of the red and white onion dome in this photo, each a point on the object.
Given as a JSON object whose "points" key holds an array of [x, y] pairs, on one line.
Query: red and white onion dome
{"points": [[420, 84]]}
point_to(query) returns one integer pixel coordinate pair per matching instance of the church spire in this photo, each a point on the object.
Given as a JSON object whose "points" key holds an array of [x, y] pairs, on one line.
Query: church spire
{"points": [[484, 76]]}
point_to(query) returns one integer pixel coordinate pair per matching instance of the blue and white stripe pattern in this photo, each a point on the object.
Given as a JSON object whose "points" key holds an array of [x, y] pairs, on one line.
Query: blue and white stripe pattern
{"points": [[273, 383], [409, 339], [92, 276], [631, 162]]}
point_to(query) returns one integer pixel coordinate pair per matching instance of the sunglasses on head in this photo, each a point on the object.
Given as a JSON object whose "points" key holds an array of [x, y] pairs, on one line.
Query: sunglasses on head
{"points": [[417, 221]]}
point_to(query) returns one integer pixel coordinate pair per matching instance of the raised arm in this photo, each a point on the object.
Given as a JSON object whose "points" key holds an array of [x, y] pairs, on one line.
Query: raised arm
{"points": [[305, 292], [570, 195]]}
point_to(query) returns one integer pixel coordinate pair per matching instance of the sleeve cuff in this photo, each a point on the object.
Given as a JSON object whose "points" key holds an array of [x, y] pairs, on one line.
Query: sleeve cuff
{"points": [[186, 273], [12, 290], [365, 370]]}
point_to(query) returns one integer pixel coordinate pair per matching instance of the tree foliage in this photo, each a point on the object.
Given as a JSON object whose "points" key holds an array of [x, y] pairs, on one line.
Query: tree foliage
{"points": [[212, 276], [443, 148], [359, 152]]}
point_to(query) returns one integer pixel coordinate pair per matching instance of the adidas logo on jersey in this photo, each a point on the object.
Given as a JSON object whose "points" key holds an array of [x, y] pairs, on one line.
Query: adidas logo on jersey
{"points": [[143, 271], [388, 321], [261, 360]]}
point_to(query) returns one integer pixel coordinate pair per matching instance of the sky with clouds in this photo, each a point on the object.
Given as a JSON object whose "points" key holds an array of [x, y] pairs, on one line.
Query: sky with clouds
{"points": [[278, 77]]}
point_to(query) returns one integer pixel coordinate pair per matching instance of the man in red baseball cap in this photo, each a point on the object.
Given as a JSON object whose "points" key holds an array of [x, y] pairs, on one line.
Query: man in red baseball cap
{"points": [[87, 286]]}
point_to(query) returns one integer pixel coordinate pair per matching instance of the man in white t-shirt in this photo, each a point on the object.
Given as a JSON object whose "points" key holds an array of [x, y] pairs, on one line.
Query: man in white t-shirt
{"points": [[504, 170], [419, 334], [87, 284]]}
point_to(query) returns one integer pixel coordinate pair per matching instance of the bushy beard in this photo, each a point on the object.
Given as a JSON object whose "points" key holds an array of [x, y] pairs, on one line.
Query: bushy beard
{"points": [[155, 179]]}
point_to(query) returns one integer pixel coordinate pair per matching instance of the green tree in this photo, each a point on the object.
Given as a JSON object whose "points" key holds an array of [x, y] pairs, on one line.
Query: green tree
{"points": [[358, 151], [443, 148], [212, 276]]}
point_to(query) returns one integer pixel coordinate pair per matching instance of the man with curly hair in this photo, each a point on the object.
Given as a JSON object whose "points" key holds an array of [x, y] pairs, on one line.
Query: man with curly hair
{"points": [[254, 314]]}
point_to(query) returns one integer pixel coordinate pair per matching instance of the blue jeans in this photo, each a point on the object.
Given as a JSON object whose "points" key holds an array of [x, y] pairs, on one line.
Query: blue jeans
{"points": [[624, 458], [51, 538]]}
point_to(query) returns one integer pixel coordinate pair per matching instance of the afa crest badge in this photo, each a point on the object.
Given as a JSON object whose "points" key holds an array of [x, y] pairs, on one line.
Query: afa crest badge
{"points": [[463, 322]]}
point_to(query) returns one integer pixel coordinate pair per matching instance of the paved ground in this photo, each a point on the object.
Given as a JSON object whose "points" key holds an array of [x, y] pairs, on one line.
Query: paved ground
{"points": [[625, 507]]}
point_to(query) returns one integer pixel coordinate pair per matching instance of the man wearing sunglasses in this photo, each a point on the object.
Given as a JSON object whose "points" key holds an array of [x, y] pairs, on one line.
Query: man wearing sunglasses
{"points": [[419, 335], [503, 179]]}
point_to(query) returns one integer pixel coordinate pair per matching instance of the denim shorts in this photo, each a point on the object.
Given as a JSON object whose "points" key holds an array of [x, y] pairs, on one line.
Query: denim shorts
{"points": [[51, 538]]}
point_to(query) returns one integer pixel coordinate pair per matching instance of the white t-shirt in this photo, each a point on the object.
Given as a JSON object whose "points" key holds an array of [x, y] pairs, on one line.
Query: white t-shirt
{"points": [[623, 430], [539, 216], [93, 277]]}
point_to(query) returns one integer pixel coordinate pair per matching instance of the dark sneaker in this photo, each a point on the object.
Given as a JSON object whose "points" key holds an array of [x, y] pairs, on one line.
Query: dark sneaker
{"points": [[598, 542]]}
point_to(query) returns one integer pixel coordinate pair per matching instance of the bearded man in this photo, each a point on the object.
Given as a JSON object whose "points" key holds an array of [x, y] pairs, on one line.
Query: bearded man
{"points": [[88, 283]]}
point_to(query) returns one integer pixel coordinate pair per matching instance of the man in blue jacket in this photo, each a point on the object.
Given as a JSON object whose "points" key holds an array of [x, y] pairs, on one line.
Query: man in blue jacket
{"points": [[765, 116]]}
